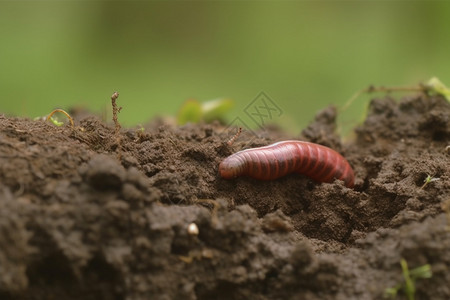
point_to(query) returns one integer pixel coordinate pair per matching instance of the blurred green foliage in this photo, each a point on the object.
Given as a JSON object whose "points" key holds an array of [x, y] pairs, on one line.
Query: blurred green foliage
{"points": [[435, 86], [305, 55], [191, 111], [194, 111]]}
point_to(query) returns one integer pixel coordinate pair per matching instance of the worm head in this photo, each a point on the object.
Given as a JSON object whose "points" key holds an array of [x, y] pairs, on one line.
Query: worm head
{"points": [[230, 168]]}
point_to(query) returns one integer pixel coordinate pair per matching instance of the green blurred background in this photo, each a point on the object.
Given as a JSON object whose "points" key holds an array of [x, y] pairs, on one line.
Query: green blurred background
{"points": [[303, 55]]}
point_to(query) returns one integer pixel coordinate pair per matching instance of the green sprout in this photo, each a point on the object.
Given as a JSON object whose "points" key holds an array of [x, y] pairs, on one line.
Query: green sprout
{"points": [[55, 121], [216, 109], [429, 179], [140, 129], [194, 111], [435, 86], [410, 277]]}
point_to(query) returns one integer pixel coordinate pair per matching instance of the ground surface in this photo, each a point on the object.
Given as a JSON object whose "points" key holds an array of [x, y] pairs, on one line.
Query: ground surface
{"points": [[88, 214]]}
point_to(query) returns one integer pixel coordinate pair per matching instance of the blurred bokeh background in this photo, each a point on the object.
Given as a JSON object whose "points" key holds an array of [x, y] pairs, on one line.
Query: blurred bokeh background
{"points": [[304, 55]]}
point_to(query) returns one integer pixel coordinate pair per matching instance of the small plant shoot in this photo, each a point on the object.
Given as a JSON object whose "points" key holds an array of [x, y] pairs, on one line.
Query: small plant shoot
{"points": [[55, 120], [409, 276], [435, 86], [191, 111], [428, 180], [194, 111], [216, 109]]}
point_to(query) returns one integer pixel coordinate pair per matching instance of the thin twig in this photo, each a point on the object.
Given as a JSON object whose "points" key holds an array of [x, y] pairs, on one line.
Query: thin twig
{"points": [[233, 138], [116, 110]]}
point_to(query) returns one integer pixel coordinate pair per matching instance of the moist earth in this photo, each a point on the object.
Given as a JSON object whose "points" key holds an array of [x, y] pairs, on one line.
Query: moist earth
{"points": [[91, 213]]}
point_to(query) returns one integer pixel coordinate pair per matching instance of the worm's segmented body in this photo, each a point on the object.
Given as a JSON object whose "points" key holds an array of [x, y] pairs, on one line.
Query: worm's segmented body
{"points": [[270, 162]]}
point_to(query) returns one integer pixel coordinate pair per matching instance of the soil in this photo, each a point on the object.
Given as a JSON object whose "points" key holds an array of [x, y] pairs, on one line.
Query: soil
{"points": [[88, 213]]}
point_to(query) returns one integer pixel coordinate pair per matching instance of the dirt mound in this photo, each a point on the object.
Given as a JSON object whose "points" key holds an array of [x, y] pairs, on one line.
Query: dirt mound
{"points": [[89, 214]]}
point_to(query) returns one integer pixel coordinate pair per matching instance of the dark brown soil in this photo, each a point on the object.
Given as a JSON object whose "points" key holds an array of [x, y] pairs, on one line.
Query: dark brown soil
{"points": [[87, 214]]}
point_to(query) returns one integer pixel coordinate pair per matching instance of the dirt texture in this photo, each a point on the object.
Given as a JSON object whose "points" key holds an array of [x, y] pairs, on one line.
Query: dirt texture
{"points": [[88, 213]]}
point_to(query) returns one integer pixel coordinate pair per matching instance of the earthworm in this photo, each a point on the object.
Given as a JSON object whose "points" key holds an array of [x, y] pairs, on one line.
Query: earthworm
{"points": [[271, 162]]}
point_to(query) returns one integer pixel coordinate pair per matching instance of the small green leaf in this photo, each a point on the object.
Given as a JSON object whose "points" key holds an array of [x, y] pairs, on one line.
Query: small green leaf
{"points": [[391, 292], [56, 122], [410, 277], [436, 86], [191, 111], [216, 109], [421, 272]]}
